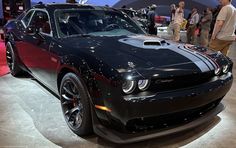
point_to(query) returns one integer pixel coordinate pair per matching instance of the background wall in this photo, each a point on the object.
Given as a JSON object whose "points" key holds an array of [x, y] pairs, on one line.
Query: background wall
{"points": [[1, 10], [94, 2], [211, 3]]}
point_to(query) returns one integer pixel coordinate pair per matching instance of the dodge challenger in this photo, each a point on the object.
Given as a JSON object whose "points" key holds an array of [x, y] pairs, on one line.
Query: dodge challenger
{"points": [[111, 77]]}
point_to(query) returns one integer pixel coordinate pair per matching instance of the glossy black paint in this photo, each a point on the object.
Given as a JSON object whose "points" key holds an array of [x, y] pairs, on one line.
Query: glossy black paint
{"points": [[178, 82]]}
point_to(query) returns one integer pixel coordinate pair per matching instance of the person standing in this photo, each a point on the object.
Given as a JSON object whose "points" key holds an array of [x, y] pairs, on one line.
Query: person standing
{"points": [[151, 19], [223, 34], [170, 28], [178, 20], [205, 27], [193, 21]]}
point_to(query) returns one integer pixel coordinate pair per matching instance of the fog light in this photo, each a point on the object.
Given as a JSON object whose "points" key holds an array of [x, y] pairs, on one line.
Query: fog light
{"points": [[143, 84], [226, 69], [128, 86], [217, 71]]}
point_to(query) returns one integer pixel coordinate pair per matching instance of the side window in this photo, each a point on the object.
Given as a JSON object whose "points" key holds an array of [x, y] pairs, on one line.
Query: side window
{"points": [[27, 18], [40, 21]]}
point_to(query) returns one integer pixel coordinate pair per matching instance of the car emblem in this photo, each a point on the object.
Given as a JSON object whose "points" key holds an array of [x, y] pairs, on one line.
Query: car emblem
{"points": [[164, 81], [167, 81]]}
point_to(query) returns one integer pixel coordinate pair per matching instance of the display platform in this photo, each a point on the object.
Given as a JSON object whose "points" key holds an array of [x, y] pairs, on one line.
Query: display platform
{"points": [[31, 117]]}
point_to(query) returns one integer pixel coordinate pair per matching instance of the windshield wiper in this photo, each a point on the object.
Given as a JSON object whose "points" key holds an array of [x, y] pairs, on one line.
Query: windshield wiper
{"points": [[80, 35]]}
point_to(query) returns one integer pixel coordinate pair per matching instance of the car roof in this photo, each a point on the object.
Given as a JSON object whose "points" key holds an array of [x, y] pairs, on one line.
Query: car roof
{"points": [[126, 9], [54, 6]]}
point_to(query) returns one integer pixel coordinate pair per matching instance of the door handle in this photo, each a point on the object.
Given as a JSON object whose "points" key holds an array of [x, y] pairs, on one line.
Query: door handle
{"points": [[51, 45]]}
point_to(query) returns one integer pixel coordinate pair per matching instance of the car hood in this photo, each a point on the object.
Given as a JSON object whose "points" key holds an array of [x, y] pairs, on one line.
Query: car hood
{"points": [[142, 53]]}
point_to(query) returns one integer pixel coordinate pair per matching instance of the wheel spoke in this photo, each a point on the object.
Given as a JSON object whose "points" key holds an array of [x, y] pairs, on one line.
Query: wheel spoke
{"points": [[68, 91], [78, 119], [67, 98], [74, 91], [8, 57], [71, 112], [71, 93], [67, 103]]}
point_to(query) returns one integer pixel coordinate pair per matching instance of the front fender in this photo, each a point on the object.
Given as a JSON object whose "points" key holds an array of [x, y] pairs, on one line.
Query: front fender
{"points": [[100, 80]]}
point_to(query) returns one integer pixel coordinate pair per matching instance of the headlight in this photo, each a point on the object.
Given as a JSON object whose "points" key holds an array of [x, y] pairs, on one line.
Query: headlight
{"points": [[217, 71], [143, 84], [226, 69], [128, 86]]}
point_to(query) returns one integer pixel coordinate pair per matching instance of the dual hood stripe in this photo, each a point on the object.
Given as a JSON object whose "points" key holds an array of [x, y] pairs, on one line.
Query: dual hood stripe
{"points": [[200, 63], [204, 58], [212, 62]]}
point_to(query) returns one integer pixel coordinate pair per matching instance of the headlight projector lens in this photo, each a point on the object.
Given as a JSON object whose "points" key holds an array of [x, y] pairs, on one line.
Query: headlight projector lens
{"points": [[143, 84], [217, 71], [128, 86], [226, 69]]}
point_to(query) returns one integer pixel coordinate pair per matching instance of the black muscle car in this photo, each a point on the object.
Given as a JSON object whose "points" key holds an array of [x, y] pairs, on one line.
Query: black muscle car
{"points": [[111, 77]]}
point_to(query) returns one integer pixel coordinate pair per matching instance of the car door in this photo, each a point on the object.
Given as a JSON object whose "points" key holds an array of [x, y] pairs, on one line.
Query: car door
{"points": [[22, 46], [37, 45]]}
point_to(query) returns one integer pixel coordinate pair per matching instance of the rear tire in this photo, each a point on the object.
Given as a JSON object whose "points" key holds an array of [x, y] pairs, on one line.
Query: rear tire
{"points": [[12, 61], [75, 105]]}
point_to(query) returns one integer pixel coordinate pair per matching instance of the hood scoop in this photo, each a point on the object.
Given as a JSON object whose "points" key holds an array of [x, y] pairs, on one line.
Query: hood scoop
{"points": [[154, 43], [144, 42]]}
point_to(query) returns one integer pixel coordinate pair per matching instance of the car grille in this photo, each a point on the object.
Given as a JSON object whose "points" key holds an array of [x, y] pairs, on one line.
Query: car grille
{"points": [[170, 120], [180, 82]]}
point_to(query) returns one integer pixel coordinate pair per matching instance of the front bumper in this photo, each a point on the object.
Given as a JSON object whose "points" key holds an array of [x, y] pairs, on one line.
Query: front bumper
{"points": [[169, 102], [123, 138]]}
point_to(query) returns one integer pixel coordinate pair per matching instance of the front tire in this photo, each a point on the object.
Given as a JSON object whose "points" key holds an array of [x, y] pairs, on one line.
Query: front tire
{"points": [[12, 60], [75, 105]]}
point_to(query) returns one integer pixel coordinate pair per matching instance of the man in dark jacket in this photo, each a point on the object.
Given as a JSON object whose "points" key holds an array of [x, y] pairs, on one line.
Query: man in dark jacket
{"points": [[151, 19]]}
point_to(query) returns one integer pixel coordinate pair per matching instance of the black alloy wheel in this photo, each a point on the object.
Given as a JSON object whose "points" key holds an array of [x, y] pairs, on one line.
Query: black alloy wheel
{"points": [[75, 105], [12, 60]]}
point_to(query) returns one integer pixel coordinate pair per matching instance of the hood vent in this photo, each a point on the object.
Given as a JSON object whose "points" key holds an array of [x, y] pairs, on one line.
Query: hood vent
{"points": [[146, 42], [154, 43]]}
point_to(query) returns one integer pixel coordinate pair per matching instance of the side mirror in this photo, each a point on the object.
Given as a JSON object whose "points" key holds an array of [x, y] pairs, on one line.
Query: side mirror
{"points": [[33, 31]]}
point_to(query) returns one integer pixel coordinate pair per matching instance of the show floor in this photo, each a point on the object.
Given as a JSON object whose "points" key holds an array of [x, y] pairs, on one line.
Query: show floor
{"points": [[31, 117]]}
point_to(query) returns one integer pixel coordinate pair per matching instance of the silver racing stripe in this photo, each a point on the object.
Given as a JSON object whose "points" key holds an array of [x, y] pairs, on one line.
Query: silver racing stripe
{"points": [[203, 64], [213, 63], [210, 62]]}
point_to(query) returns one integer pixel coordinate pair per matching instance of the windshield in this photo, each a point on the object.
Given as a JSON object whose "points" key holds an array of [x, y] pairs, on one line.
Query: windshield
{"points": [[94, 22]]}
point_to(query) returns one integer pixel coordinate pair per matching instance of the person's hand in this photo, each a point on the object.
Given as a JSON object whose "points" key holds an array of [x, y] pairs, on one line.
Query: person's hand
{"points": [[213, 37]]}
